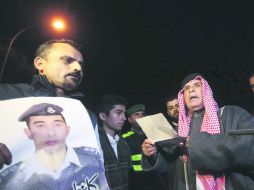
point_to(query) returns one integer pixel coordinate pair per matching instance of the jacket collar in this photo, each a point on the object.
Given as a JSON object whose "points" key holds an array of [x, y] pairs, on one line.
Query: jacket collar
{"points": [[41, 84]]}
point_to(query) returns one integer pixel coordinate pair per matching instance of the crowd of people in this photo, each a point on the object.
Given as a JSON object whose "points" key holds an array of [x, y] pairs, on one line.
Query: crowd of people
{"points": [[213, 149]]}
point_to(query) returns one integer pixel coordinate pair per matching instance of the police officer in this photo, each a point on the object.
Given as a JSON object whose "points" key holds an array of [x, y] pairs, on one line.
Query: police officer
{"points": [[135, 137]]}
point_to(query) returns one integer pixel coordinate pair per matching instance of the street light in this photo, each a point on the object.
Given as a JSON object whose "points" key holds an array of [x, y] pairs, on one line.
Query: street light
{"points": [[58, 24]]}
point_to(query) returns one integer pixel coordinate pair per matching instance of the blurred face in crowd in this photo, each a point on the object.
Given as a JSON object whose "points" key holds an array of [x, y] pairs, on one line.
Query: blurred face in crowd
{"points": [[47, 132], [251, 82], [62, 66], [173, 108], [193, 95], [135, 116], [114, 121]]}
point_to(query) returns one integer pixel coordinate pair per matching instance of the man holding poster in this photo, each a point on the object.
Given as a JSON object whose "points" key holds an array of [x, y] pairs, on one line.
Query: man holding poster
{"points": [[59, 64]]}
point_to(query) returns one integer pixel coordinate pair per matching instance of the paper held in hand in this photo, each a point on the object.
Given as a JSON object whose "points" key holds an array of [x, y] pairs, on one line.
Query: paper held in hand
{"points": [[156, 127]]}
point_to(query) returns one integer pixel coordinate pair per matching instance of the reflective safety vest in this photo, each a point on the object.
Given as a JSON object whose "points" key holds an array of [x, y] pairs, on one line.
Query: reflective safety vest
{"points": [[136, 158], [134, 141]]}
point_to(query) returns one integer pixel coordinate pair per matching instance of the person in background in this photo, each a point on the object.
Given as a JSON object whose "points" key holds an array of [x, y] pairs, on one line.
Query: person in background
{"points": [[111, 113], [214, 144], [172, 111], [251, 81], [139, 179]]}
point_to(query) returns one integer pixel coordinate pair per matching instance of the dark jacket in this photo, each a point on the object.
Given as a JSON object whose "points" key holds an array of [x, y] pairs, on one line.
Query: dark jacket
{"points": [[39, 87], [138, 178], [220, 154], [116, 169]]}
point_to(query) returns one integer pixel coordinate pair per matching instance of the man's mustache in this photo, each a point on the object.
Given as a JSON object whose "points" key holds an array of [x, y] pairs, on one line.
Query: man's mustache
{"points": [[74, 74]]}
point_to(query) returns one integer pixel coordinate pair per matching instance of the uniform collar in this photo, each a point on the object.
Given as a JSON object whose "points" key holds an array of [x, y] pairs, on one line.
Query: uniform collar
{"points": [[32, 165]]}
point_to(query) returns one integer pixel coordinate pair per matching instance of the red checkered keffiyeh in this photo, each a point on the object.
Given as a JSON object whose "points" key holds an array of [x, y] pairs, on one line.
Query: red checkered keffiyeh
{"points": [[210, 124]]}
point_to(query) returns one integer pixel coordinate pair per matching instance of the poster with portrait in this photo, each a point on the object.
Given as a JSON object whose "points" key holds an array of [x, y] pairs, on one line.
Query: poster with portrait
{"points": [[53, 145]]}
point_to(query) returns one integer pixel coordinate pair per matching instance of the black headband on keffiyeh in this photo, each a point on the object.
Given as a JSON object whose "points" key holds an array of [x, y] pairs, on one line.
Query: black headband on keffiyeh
{"points": [[189, 78]]}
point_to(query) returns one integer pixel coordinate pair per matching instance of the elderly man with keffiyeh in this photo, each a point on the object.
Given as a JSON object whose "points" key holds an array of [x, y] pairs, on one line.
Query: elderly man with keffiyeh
{"points": [[215, 145]]}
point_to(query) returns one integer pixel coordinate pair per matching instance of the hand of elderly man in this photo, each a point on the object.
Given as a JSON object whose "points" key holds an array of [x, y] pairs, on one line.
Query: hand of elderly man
{"points": [[5, 155], [174, 147], [149, 148]]}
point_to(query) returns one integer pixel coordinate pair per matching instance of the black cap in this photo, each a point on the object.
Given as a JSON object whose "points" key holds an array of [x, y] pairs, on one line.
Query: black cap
{"points": [[189, 78], [135, 108], [44, 109]]}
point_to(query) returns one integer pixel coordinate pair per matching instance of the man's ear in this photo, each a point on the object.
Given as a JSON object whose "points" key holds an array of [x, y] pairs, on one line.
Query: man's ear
{"points": [[102, 116], [39, 64], [68, 129], [28, 133], [129, 119]]}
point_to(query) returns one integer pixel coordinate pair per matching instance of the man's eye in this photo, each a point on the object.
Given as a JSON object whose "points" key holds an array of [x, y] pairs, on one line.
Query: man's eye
{"points": [[197, 84], [39, 125], [186, 88], [67, 59]]}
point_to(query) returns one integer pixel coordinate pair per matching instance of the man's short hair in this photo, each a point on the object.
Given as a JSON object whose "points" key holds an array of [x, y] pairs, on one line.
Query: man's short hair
{"points": [[251, 75], [107, 103], [44, 49], [170, 98]]}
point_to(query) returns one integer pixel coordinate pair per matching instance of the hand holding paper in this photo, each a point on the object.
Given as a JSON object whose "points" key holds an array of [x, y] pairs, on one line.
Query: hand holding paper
{"points": [[159, 131], [149, 148]]}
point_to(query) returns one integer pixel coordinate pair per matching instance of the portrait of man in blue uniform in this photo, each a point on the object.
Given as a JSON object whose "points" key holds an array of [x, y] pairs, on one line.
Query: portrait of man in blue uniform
{"points": [[54, 164]]}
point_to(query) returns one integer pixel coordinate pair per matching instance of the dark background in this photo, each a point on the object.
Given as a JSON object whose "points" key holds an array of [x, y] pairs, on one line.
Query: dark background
{"points": [[141, 49]]}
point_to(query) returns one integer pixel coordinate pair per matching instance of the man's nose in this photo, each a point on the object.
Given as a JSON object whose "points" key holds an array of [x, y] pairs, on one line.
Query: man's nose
{"points": [[51, 131], [192, 88], [76, 66]]}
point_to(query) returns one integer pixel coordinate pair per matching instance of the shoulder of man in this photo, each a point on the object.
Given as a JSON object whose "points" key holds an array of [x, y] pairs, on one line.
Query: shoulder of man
{"points": [[19, 90], [232, 109], [9, 172], [86, 150], [89, 156]]}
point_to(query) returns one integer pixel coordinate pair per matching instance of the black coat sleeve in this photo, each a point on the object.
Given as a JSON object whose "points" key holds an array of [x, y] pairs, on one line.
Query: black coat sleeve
{"points": [[224, 152]]}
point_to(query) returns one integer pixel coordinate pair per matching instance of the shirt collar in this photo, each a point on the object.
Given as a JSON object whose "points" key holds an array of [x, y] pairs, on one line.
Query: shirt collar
{"points": [[32, 165], [113, 140]]}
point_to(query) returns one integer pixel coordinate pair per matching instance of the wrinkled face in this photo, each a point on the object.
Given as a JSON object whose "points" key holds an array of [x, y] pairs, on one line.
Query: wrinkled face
{"points": [[116, 118], [251, 82], [135, 116], [62, 66], [193, 95], [173, 108], [47, 132]]}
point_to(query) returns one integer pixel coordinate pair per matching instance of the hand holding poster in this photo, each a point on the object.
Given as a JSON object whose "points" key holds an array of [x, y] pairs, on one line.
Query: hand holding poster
{"points": [[53, 144]]}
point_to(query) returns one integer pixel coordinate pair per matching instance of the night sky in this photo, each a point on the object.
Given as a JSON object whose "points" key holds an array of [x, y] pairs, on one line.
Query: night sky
{"points": [[142, 49]]}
